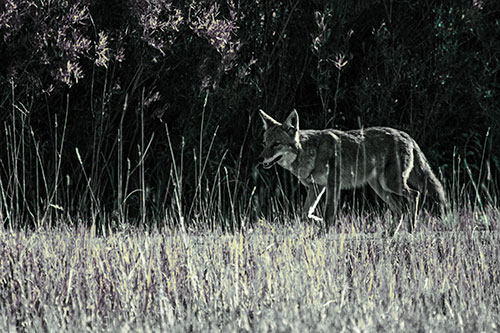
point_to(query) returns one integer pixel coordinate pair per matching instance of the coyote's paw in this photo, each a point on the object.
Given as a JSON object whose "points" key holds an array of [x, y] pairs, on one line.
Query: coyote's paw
{"points": [[314, 217]]}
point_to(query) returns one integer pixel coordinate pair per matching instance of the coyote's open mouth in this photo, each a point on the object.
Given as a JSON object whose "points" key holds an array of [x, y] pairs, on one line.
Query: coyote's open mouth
{"points": [[268, 164]]}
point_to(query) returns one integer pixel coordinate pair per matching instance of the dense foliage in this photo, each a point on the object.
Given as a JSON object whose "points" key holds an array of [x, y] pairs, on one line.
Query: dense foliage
{"points": [[112, 108]]}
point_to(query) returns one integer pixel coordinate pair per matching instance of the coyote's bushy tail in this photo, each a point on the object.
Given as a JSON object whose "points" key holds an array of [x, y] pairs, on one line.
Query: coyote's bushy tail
{"points": [[432, 186]]}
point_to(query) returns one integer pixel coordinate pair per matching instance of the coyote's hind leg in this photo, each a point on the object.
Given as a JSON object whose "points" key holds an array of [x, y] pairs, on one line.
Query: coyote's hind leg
{"points": [[392, 186]]}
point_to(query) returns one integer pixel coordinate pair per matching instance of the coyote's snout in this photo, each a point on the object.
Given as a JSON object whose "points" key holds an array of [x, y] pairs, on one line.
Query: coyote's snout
{"points": [[270, 161], [386, 159]]}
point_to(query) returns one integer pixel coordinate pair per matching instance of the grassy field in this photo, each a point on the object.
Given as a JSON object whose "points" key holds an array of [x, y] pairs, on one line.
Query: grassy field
{"points": [[268, 277]]}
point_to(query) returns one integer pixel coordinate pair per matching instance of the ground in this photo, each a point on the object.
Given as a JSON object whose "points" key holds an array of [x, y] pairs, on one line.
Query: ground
{"points": [[268, 277]]}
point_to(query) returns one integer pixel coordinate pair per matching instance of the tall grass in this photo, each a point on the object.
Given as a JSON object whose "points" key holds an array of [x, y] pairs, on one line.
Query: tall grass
{"points": [[216, 262], [267, 278], [34, 192]]}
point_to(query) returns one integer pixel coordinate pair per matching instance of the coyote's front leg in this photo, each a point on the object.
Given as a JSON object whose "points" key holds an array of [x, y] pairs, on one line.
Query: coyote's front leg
{"points": [[332, 196], [312, 201], [332, 199]]}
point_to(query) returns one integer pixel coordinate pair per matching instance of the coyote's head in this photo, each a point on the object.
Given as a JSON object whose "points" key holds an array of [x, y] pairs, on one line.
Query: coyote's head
{"points": [[281, 140]]}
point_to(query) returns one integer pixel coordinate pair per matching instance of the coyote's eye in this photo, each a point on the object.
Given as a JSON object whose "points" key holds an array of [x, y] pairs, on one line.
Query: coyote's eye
{"points": [[275, 145]]}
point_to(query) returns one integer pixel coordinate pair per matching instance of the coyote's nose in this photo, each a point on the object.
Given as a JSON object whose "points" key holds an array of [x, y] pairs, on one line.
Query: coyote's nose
{"points": [[260, 160]]}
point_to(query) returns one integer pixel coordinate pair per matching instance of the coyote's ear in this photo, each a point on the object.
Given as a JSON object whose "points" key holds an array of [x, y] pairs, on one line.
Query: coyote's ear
{"points": [[292, 122], [267, 120]]}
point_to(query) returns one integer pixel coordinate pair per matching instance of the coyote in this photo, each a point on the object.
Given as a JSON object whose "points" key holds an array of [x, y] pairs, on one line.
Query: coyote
{"points": [[387, 159]]}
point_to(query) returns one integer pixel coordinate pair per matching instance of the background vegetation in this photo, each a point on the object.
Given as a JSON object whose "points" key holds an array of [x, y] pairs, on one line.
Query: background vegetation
{"points": [[125, 123], [146, 109]]}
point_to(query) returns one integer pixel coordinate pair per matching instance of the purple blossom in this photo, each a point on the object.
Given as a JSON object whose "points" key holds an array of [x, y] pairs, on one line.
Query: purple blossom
{"points": [[219, 32], [102, 50], [159, 21], [70, 73]]}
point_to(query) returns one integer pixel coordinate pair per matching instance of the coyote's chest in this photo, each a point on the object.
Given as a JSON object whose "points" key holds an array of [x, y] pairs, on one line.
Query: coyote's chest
{"points": [[309, 169]]}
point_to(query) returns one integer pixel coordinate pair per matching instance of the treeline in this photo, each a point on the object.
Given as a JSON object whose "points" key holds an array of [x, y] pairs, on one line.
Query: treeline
{"points": [[146, 109]]}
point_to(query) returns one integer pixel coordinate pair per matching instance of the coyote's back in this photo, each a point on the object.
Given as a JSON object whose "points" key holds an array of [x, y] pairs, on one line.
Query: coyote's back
{"points": [[387, 159]]}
